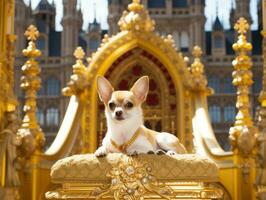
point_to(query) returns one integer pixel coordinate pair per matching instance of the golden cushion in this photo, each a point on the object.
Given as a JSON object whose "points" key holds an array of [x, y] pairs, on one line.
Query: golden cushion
{"points": [[88, 168]]}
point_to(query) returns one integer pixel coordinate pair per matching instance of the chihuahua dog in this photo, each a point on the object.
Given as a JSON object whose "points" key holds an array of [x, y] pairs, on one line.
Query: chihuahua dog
{"points": [[126, 132]]}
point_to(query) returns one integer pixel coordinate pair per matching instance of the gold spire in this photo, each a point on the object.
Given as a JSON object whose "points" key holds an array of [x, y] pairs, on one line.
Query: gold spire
{"points": [[243, 133], [137, 19], [30, 130], [78, 80]]}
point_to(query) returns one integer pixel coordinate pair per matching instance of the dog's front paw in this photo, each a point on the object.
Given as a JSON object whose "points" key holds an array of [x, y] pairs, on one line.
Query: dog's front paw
{"points": [[171, 153], [101, 151], [133, 153], [160, 152]]}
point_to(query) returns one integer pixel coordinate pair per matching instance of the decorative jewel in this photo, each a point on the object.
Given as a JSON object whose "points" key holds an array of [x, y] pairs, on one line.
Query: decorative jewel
{"points": [[145, 180], [130, 170], [114, 181], [130, 191]]}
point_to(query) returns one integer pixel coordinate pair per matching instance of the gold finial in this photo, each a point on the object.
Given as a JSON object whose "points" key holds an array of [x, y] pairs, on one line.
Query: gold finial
{"points": [[30, 130], [197, 52], [241, 26], [79, 53], [32, 33], [135, 5], [137, 19], [199, 81], [243, 133], [78, 80]]}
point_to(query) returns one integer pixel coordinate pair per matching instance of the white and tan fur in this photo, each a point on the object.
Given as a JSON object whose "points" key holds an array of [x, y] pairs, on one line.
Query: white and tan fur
{"points": [[121, 128]]}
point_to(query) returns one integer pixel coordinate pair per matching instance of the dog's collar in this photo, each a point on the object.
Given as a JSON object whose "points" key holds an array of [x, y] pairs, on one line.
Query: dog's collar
{"points": [[123, 147]]}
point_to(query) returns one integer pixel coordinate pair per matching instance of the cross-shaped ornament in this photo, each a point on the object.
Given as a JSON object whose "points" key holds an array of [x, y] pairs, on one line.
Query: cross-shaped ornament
{"points": [[32, 33], [241, 26]]}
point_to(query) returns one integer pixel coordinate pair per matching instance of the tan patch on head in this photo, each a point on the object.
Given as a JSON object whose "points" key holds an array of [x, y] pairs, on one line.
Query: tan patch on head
{"points": [[121, 97]]}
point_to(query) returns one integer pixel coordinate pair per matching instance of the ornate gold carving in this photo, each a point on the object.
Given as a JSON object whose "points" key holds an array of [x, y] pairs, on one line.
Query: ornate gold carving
{"points": [[78, 80], [137, 19], [11, 99], [199, 80], [30, 131], [132, 180]]}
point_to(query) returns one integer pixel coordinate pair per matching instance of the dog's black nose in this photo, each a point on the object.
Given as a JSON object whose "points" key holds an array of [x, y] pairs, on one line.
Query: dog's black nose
{"points": [[119, 113]]}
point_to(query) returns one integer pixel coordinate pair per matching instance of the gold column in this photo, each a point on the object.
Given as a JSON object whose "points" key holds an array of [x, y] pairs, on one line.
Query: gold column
{"points": [[243, 133], [261, 159], [30, 131], [262, 97]]}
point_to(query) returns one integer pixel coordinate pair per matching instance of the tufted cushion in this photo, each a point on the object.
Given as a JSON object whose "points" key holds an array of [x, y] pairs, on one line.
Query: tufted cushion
{"points": [[88, 168]]}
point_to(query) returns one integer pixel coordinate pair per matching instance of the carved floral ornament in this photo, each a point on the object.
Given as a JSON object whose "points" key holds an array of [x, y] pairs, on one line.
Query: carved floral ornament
{"points": [[132, 180]]}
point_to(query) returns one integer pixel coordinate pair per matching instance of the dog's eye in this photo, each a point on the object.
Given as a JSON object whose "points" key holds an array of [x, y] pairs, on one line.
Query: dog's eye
{"points": [[129, 105], [112, 106]]}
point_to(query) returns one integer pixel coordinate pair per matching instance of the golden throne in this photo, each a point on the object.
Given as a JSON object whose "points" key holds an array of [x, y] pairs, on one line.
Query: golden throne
{"points": [[177, 103]]}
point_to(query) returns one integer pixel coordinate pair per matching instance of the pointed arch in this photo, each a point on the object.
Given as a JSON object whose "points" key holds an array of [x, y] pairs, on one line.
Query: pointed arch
{"points": [[119, 46]]}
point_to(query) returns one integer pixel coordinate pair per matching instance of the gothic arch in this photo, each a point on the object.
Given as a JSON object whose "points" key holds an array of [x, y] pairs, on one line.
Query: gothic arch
{"points": [[119, 45]]}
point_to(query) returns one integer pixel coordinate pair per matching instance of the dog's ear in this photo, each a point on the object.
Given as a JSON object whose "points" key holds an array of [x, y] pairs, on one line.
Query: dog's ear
{"points": [[141, 88], [104, 88]]}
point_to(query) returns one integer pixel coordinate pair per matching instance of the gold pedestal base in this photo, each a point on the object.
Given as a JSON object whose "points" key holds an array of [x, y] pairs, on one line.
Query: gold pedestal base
{"points": [[118, 176], [184, 190]]}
